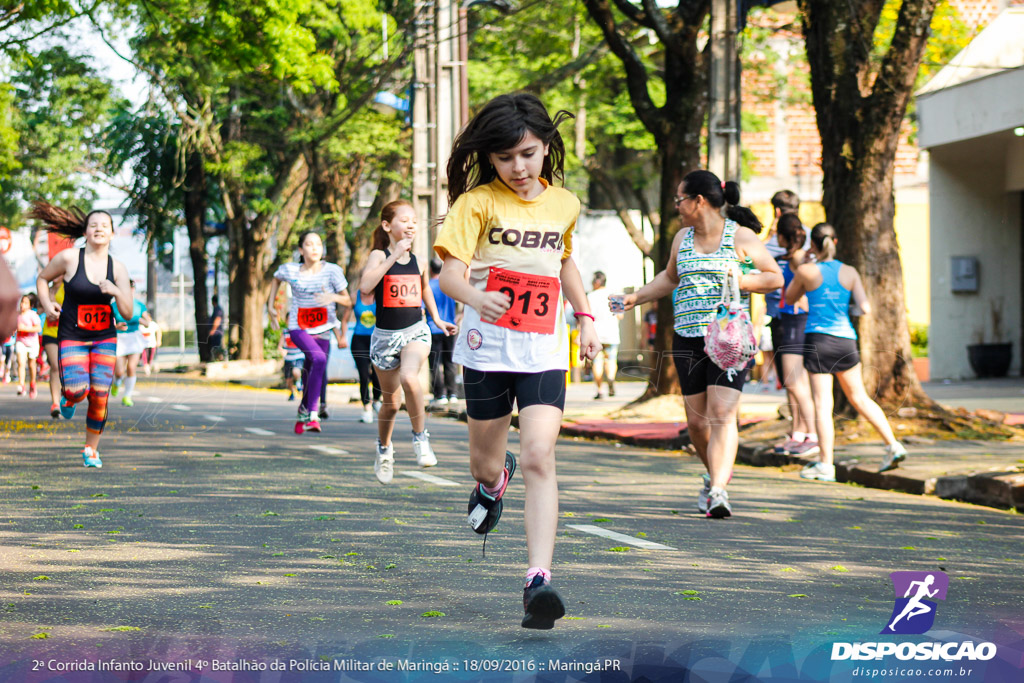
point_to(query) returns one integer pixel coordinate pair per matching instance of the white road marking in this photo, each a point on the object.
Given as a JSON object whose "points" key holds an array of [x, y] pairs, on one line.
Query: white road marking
{"points": [[430, 478], [184, 409], [260, 432], [214, 418], [330, 449], [622, 538], [154, 399]]}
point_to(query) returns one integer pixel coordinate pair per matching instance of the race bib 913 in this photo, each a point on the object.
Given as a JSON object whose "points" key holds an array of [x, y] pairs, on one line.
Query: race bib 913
{"points": [[534, 300]]}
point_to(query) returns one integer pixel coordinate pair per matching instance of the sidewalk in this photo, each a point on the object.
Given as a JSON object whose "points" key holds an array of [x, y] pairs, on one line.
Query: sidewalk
{"points": [[989, 473]]}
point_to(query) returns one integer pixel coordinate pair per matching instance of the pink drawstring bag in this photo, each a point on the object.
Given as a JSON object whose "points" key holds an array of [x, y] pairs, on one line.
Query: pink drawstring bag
{"points": [[729, 340]]}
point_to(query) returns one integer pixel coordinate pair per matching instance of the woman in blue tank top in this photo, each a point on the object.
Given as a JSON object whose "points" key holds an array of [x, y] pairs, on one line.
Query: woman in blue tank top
{"points": [[363, 313], [831, 349]]}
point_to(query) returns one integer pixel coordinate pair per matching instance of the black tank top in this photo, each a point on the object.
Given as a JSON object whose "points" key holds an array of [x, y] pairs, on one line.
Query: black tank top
{"points": [[86, 314], [399, 296]]}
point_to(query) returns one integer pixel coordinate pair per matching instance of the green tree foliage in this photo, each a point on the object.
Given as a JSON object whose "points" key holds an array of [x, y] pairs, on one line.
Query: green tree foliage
{"points": [[58, 105]]}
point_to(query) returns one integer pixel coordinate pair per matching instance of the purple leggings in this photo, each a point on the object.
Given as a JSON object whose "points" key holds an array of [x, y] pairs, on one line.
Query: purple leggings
{"points": [[314, 384]]}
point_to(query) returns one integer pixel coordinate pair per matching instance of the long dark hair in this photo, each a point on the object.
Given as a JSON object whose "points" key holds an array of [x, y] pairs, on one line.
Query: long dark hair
{"points": [[502, 124], [719, 194], [68, 222], [381, 240], [792, 231]]}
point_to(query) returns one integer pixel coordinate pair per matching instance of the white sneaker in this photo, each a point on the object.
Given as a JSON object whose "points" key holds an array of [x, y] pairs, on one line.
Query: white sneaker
{"points": [[702, 497], [424, 453], [718, 503], [367, 416], [453, 399], [384, 465], [376, 406], [443, 401], [819, 471], [894, 455]]}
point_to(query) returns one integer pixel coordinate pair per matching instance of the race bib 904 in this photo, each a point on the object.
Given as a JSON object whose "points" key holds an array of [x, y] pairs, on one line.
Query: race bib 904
{"points": [[311, 317], [94, 317], [402, 291], [534, 300]]}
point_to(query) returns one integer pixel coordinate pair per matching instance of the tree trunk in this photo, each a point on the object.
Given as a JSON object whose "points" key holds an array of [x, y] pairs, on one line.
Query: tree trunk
{"points": [[252, 264], [389, 189], [676, 125], [860, 105], [334, 186], [195, 221]]}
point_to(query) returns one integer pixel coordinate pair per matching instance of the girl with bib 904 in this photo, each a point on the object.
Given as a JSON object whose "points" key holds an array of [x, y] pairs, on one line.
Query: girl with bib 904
{"points": [[400, 341], [506, 244], [86, 336], [702, 252], [830, 348]]}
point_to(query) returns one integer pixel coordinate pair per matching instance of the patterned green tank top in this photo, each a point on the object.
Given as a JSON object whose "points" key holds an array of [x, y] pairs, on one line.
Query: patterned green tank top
{"points": [[700, 282]]}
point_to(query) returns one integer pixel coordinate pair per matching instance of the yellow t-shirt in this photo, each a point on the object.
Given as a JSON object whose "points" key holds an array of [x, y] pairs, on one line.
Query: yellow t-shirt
{"points": [[50, 327], [491, 226]]}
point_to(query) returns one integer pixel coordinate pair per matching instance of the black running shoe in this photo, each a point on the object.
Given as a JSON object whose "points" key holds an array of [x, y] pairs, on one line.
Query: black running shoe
{"points": [[542, 604], [323, 412], [485, 509]]}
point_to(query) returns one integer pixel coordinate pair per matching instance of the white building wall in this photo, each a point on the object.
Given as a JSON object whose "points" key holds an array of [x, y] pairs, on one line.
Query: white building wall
{"points": [[973, 214]]}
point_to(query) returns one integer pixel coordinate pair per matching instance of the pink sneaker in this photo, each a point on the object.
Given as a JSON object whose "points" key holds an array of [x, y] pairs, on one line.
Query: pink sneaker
{"points": [[32, 393], [300, 427], [312, 426]]}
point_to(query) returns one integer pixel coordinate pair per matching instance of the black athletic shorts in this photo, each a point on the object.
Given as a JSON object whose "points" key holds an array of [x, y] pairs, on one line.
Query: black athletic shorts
{"points": [[791, 335], [47, 339], [490, 395], [697, 371], [826, 354]]}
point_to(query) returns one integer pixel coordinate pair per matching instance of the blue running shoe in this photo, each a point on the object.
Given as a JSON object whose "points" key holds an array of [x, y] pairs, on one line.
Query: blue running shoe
{"points": [[67, 411], [542, 604], [91, 458]]}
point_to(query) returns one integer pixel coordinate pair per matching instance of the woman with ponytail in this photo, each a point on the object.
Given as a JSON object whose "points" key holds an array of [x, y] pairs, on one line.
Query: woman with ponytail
{"points": [[830, 348], [707, 246], [86, 337]]}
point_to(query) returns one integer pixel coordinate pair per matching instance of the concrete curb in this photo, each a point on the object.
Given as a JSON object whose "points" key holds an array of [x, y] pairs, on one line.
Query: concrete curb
{"points": [[992, 489]]}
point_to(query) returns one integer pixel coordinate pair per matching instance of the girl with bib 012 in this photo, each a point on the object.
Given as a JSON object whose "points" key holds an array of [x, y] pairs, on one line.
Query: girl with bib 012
{"points": [[316, 287], [703, 251], [511, 229], [86, 337], [830, 348], [400, 341]]}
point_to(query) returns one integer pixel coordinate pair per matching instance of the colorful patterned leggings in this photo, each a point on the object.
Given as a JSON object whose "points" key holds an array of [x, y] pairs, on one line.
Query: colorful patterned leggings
{"points": [[87, 369]]}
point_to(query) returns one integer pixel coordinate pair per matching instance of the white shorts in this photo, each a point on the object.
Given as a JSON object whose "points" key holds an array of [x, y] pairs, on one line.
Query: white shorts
{"points": [[386, 345], [129, 343], [30, 346]]}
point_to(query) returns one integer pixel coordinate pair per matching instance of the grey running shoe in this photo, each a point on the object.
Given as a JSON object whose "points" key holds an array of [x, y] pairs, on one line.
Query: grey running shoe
{"points": [[819, 471], [718, 503], [702, 497], [806, 447], [894, 455]]}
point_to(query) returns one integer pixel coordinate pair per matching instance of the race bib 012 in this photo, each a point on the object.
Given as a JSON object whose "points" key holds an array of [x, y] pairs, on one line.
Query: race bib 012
{"points": [[94, 317]]}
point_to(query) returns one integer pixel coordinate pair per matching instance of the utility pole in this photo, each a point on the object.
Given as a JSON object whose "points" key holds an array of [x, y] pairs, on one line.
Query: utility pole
{"points": [[436, 112], [724, 93], [424, 124]]}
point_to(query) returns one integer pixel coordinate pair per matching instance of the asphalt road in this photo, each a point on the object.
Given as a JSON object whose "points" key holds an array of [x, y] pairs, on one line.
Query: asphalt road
{"points": [[214, 533]]}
